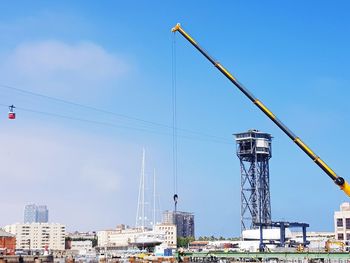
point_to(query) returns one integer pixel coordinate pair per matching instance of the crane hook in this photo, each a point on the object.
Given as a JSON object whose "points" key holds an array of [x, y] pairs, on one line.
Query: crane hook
{"points": [[175, 201]]}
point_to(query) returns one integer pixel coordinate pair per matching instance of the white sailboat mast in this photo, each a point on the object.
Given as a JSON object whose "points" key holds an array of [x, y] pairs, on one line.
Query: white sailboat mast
{"points": [[154, 198], [143, 190], [140, 219]]}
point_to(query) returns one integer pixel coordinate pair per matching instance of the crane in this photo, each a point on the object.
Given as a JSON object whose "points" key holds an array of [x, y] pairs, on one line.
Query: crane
{"points": [[339, 181]]}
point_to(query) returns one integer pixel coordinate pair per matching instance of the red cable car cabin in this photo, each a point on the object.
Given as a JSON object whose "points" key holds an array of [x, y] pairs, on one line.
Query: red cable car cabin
{"points": [[12, 114]]}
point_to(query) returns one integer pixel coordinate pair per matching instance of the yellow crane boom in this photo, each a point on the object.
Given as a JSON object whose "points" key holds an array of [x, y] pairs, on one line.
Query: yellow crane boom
{"points": [[335, 178]]}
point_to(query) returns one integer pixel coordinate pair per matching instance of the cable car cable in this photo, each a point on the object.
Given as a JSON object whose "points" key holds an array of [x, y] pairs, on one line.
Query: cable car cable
{"points": [[114, 125], [109, 112]]}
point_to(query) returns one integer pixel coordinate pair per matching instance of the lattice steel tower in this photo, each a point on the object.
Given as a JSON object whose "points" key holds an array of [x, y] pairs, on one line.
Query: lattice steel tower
{"points": [[254, 152]]}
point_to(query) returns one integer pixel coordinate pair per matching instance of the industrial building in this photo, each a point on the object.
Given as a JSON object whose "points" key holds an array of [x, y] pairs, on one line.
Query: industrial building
{"points": [[7, 243], [184, 222], [317, 240], [38, 236]]}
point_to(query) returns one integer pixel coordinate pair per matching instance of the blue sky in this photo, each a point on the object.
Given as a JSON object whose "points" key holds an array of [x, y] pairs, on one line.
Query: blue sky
{"points": [[116, 56]]}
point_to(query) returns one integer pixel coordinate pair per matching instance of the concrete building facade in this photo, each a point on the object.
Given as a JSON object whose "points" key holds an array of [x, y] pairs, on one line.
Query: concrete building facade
{"points": [[169, 233], [184, 222], [342, 222], [38, 236], [81, 246], [82, 235], [123, 237], [119, 237]]}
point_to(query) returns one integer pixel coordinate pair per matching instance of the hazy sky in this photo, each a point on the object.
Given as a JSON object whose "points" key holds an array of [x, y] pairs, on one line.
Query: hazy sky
{"points": [[116, 55]]}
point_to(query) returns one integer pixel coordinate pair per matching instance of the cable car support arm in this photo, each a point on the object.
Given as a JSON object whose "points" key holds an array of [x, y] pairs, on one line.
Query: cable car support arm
{"points": [[335, 178]]}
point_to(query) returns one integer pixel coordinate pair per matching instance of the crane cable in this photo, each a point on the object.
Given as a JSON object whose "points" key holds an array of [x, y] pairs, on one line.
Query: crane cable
{"points": [[173, 74]]}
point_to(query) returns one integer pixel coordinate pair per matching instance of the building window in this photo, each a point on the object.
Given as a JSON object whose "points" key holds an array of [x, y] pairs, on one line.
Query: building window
{"points": [[347, 223], [340, 236], [339, 222], [347, 236]]}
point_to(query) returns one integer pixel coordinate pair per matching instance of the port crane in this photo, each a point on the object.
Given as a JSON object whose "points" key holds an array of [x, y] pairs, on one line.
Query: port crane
{"points": [[339, 181]]}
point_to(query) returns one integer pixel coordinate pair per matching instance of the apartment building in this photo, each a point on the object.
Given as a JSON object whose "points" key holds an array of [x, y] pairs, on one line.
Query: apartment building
{"points": [[342, 222], [38, 236], [168, 232], [184, 222]]}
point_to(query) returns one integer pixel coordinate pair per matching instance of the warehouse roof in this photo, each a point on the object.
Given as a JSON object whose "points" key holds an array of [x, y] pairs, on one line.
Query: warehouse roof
{"points": [[5, 234]]}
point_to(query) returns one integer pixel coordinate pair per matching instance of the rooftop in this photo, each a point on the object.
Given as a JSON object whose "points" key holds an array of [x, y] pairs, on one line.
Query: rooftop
{"points": [[5, 234]]}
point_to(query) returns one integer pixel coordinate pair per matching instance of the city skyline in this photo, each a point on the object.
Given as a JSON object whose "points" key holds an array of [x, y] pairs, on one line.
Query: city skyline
{"points": [[92, 84]]}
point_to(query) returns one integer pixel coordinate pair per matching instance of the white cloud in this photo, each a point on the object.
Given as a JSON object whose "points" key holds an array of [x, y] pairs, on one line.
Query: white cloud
{"points": [[57, 68], [50, 58]]}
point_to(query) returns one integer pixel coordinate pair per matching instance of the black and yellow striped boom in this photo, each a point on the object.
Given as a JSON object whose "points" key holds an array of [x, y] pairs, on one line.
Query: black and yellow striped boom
{"points": [[336, 179]]}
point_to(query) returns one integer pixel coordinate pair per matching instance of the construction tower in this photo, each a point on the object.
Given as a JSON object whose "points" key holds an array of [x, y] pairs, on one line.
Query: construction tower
{"points": [[254, 152]]}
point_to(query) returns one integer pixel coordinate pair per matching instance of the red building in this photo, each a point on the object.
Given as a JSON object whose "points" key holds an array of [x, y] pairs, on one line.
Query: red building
{"points": [[7, 243]]}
